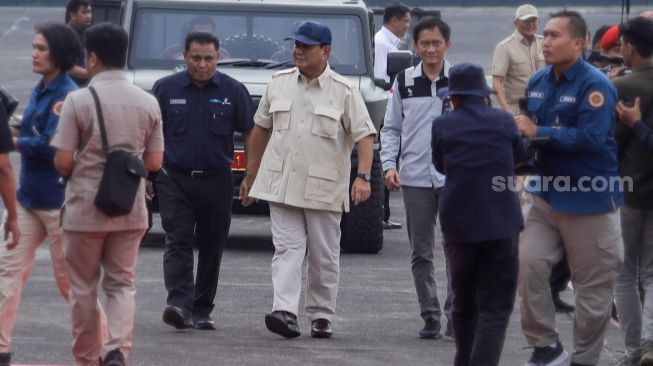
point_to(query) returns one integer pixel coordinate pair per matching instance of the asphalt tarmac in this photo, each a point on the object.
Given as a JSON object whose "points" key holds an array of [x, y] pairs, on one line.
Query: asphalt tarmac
{"points": [[378, 315]]}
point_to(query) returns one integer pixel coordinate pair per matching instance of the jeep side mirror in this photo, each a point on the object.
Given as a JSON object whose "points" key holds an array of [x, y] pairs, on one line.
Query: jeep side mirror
{"points": [[381, 83], [398, 62]]}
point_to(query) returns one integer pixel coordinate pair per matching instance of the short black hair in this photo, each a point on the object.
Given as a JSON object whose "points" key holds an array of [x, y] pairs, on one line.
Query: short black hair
{"points": [[73, 6], [639, 33], [201, 38], [109, 43], [63, 43], [431, 22], [577, 25], [598, 35], [395, 9]]}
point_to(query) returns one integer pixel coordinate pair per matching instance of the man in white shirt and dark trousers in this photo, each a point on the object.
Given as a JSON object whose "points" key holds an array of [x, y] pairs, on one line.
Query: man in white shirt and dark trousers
{"points": [[396, 21]]}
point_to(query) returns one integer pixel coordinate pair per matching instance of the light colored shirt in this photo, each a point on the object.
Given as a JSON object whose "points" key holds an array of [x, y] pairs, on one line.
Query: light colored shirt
{"points": [[412, 107], [516, 59], [314, 127], [384, 43], [133, 123]]}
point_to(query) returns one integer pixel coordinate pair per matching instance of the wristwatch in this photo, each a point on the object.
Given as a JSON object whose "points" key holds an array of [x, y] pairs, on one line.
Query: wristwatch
{"points": [[365, 176]]}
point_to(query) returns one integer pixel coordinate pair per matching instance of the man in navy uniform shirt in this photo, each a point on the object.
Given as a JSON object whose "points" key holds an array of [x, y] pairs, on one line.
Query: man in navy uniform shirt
{"points": [[577, 196], [472, 145], [201, 108]]}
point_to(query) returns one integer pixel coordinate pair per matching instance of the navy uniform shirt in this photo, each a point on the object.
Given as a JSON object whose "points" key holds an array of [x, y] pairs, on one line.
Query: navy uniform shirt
{"points": [[81, 60], [576, 113], [199, 123], [473, 145], [39, 180]]}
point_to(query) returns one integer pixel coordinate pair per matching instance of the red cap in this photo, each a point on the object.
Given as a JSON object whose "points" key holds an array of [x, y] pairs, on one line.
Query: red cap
{"points": [[610, 38]]}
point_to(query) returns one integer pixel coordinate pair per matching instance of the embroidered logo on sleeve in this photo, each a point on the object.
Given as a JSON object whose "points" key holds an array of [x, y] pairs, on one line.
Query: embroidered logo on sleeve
{"points": [[596, 99], [56, 108]]}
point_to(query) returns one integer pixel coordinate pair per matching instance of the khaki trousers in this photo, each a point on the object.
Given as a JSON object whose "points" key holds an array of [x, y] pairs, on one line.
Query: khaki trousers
{"points": [[594, 250], [294, 230], [87, 253], [36, 226]]}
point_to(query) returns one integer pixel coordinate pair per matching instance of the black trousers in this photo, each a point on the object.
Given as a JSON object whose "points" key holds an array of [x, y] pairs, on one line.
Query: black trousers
{"points": [[484, 283], [560, 276], [194, 212], [386, 203]]}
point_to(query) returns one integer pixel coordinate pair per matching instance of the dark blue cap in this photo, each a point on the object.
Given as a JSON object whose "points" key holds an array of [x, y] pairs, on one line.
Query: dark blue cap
{"points": [[467, 79], [312, 33]]}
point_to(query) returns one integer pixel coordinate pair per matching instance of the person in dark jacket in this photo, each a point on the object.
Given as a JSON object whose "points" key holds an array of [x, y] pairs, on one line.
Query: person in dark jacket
{"points": [[635, 146], [476, 146]]}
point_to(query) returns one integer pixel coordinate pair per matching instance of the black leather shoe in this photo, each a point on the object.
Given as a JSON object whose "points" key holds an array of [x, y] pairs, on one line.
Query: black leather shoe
{"points": [[177, 317], [204, 323], [114, 358], [282, 323], [5, 359], [321, 328], [389, 225]]}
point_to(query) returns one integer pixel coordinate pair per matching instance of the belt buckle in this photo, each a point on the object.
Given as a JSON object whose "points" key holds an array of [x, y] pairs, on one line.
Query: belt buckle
{"points": [[193, 173]]}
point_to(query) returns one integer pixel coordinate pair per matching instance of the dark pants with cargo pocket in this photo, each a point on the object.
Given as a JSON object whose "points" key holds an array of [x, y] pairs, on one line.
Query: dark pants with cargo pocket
{"points": [[484, 283], [195, 212]]}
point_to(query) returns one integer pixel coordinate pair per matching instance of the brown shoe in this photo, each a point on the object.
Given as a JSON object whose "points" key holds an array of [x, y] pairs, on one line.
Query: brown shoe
{"points": [[321, 328], [282, 323]]}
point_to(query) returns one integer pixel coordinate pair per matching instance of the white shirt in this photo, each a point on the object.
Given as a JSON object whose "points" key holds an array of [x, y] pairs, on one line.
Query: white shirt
{"points": [[384, 42]]}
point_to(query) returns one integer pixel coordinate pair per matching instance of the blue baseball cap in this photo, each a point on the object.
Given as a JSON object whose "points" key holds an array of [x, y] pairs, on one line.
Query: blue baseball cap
{"points": [[312, 33], [466, 79]]}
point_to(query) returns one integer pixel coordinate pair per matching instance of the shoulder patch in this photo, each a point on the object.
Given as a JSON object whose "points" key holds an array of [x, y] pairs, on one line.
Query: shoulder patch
{"points": [[283, 72], [56, 108], [596, 99], [341, 79]]}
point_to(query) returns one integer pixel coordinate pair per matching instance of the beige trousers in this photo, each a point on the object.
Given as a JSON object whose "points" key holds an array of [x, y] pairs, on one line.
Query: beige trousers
{"points": [[294, 231], [36, 226], [594, 250], [87, 253]]}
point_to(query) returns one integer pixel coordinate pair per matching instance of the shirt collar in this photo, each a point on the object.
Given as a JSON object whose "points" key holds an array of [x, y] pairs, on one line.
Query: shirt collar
{"points": [[55, 84], [571, 72], [321, 80], [186, 79], [390, 36], [107, 75], [443, 74]]}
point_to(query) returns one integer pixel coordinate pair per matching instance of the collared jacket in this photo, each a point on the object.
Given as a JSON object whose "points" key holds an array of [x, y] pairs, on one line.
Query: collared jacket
{"points": [[199, 123], [412, 106], [39, 186], [474, 145], [635, 157], [579, 167], [314, 127]]}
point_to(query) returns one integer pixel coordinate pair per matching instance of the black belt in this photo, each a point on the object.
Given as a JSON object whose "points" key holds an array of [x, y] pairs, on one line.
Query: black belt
{"points": [[195, 173]]}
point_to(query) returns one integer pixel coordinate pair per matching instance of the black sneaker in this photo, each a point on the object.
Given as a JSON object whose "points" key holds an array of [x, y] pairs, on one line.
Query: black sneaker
{"points": [[548, 356], [431, 330], [5, 359]]}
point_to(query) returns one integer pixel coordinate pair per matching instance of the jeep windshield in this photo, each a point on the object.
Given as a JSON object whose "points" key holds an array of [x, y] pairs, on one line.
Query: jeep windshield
{"points": [[251, 39]]}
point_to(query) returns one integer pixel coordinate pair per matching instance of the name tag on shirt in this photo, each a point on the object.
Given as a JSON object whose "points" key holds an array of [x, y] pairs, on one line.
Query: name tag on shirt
{"points": [[567, 99], [536, 95], [177, 101]]}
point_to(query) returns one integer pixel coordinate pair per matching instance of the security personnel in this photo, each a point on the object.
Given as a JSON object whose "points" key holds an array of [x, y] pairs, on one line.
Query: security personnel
{"points": [[406, 133], [577, 196], [306, 126], [472, 145], [201, 108]]}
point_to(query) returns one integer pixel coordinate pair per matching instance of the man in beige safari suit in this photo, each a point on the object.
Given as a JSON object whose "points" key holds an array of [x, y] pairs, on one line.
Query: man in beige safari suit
{"points": [[305, 128], [516, 58], [93, 242]]}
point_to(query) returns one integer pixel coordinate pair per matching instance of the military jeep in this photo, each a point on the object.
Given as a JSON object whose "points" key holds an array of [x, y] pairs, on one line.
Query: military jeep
{"points": [[252, 49]]}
